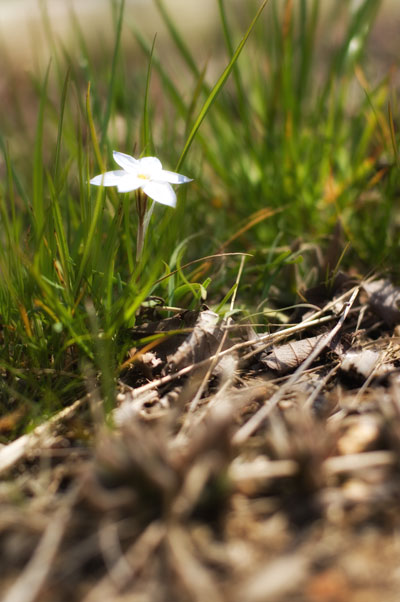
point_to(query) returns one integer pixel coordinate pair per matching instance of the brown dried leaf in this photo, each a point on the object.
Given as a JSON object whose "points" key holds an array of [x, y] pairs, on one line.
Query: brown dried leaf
{"points": [[362, 361], [287, 357], [200, 344], [384, 299]]}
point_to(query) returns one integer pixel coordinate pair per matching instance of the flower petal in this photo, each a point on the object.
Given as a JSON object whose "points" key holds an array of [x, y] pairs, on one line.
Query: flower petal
{"points": [[149, 165], [120, 178], [127, 162], [110, 178], [172, 177], [162, 192], [129, 183]]}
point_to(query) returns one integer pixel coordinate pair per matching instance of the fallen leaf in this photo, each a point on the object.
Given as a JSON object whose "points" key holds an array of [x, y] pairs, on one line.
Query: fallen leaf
{"points": [[285, 358], [384, 299], [364, 362], [202, 342]]}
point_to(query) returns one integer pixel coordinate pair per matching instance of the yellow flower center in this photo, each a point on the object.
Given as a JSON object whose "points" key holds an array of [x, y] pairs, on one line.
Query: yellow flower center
{"points": [[143, 176]]}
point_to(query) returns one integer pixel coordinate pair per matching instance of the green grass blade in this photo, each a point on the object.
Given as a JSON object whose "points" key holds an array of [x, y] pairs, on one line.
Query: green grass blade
{"points": [[393, 135], [194, 99], [217, 88], [308, 30], [13, 174], [225, 300], [171, 89], [48, 31], [167, 82], [244, 112], [87, 247], [60, 235], [60, 125], [11, 195], [113, 78], [92, 130], [177, 38], [147, 141], [37, 198]]}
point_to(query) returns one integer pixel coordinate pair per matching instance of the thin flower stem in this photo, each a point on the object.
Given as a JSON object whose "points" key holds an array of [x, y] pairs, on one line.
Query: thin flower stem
{"points": [[139, 240], [147, 217], [141, 206]]}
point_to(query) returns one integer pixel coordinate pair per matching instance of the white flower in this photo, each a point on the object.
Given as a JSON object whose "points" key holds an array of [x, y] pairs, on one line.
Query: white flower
{"points": [[146, 173]]}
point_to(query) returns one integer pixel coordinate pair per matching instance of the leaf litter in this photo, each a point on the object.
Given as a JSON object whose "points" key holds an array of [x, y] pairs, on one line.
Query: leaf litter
{"points": [[241, 465]]}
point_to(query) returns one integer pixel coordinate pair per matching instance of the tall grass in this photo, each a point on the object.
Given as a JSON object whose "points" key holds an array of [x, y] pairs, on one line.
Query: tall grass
{"points": [[284, 145]]}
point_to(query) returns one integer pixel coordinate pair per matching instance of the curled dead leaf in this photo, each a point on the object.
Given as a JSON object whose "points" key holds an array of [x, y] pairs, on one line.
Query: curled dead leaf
{"points": [[200, 344]]}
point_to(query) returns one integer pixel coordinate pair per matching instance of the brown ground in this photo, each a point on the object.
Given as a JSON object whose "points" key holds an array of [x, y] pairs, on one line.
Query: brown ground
{"points": [[269, 473]]}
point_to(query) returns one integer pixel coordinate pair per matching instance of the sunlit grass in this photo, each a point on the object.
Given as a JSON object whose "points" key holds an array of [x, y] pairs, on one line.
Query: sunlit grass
{"points": [[287, 150]]}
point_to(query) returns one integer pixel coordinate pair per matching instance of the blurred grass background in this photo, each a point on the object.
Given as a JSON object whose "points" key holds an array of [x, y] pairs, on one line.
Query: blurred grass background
{"points": [[294, 163], [24, 41]]}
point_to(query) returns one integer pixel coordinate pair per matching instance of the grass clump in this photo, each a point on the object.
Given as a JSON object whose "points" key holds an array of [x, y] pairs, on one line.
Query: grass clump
{"points": [[284, 147]]}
